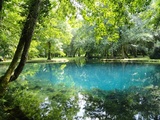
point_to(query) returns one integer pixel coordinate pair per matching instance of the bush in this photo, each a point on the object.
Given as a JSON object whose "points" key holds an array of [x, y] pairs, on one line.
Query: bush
{"points": [[156, 53], [1, 58]]}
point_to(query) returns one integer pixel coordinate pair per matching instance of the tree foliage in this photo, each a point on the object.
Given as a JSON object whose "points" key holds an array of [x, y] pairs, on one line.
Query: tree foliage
{"points": [[90, 28], [84, 27], [118, 24], [21, 52]]}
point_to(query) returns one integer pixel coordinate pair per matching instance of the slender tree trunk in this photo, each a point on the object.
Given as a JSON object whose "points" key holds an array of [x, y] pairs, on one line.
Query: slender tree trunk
{"points": [[49, 50], [6, 78], [72, 49], [1, 4], [23, 46], [123, 51], [27, 37]]}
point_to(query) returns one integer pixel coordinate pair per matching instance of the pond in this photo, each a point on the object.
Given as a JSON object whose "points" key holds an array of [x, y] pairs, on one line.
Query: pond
{"points": [[102, 76], [90, 91]]}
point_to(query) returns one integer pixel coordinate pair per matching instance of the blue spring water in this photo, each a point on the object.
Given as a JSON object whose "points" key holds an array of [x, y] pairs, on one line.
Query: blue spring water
{"points": [[95, 78], [104, 76]]}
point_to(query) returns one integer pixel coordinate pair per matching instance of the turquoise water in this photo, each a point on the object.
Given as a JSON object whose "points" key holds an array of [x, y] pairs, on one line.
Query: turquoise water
{"points": [[104, 76], [91, 91]]}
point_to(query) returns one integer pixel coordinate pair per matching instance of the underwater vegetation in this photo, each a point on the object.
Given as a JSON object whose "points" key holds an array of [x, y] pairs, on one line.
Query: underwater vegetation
{"points": [[27, 101], [58, 97]]}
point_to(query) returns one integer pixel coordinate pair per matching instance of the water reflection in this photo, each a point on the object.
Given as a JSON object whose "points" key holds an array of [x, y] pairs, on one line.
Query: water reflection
{"points": [[101, 76], [59, 102], [85, 92], [124, 104]]}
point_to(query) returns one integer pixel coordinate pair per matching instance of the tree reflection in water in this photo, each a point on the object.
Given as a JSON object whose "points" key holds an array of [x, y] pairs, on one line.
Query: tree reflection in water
{"points": [[123, 105], [57, 97]]}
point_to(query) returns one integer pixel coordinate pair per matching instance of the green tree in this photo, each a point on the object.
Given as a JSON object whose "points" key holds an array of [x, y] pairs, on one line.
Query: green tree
{"points": [[1, 4], [11, 24], [84, 41], [110, 17], [23, 46], [53, 34]]}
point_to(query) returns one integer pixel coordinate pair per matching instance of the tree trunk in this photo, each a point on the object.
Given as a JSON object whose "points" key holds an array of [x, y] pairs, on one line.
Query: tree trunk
{"points": [[23, 46], [49, 50], [72, 49], [1, 4], [124, 53], [27, 36], [6, 78]]}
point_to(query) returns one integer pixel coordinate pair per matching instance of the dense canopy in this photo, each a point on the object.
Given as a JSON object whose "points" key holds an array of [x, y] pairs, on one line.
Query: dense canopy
{"points": [[91, 28]]}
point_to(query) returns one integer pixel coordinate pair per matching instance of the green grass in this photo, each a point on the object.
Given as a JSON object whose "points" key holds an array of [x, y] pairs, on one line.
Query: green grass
{"points": [[134, 60], [139, 59]]}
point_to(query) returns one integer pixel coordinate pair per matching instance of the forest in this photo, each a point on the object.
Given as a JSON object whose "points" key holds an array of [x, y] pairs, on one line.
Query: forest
{"points": [[94, 29]]}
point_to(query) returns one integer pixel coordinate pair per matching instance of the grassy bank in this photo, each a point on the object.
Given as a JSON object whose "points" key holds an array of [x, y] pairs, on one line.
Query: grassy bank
{"points": [[69, 59]]}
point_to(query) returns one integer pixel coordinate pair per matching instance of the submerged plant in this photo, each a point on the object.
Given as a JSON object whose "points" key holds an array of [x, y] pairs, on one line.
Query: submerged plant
{"points": [[123, 104], [39, 102], [43, 101]]}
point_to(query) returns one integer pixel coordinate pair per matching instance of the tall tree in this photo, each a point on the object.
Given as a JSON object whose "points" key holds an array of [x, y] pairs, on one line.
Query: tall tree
{"points": [[1, 4], [15, 68], [12, 20]]}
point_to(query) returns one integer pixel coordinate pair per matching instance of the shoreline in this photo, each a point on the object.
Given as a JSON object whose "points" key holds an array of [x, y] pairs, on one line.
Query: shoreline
{"points": [[133, 60], [63, 60]]}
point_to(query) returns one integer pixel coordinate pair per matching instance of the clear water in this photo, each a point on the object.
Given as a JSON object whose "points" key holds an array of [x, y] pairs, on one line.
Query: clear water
{"points": [[91, 91], [104, 76]]}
